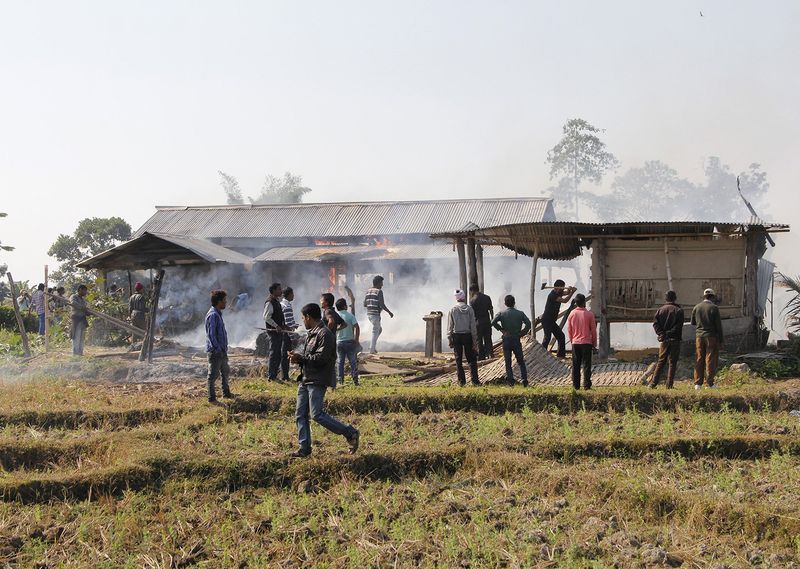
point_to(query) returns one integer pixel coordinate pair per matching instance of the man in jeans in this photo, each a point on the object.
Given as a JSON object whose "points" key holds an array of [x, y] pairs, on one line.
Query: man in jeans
{"points": [[558, 296], [484, 312], [462, 334], [317, 363], [374, 304], [273, 320], [79, 320], [708, 339], [347, 342], [582, 329], [217, 346], [668, 324], [514, 324]]}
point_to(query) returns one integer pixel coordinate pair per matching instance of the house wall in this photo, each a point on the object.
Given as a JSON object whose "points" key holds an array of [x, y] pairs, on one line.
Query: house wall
{"points": [[636, 275]]}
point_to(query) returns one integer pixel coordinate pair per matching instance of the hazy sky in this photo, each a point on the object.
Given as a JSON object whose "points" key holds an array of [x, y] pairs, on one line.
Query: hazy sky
{"points": [[110, 108]]}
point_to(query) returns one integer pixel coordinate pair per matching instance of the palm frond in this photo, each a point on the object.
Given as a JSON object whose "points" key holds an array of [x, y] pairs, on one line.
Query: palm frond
{"points": [[792, 309]]}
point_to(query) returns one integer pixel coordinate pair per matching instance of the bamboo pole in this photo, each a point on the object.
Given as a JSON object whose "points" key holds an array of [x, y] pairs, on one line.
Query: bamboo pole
{"points": [[472, 266], [533, 290], [479, 264], [26, 349], [462, 269], [111, 320]]}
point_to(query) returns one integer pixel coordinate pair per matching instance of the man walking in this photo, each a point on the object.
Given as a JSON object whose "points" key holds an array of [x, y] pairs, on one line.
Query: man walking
{"points": [[708, 339], [484, 312], [375, 305], [514, 324], [217, 346], [582, 329], [291, 325], [273, 319], [668, 324], [462, 334], [38, 301], [317, 364], [558, 296], [347, 342], [79, 321]]}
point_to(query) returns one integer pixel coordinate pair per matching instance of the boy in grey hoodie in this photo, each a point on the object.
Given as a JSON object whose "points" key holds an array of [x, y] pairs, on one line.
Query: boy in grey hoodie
{"points": [[462, 333]]}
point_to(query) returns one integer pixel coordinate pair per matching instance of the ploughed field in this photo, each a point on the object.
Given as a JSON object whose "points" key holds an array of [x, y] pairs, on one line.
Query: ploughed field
{"points": [[98, 475]]}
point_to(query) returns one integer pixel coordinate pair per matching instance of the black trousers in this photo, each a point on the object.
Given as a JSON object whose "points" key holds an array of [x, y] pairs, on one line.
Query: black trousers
{"points": [[582, 360], [275, 352], [463, 346], [485, 340], [550, 328]]}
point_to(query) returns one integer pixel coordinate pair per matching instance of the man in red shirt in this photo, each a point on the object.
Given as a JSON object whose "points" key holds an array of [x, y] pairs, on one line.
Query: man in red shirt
{"points": [[582, 329]]}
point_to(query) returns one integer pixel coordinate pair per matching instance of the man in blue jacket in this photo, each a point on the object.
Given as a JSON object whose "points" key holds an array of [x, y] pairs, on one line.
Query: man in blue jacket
{"points": [[217, 346]]}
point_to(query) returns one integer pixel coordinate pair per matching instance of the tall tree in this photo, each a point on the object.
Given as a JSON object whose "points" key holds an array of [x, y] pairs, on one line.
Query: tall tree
{"points": [[718, 199], [580, 155], [93, 236], [286, 189], [230, 186]]}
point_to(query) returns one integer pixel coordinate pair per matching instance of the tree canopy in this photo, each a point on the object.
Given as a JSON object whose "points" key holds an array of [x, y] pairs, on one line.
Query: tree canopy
{"points": [[275, 190], [580, 155], [93, 236]]}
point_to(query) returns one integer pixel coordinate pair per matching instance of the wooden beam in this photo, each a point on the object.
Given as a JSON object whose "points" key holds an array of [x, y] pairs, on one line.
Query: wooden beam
{"points": [[26, 349], [46, 312], [110, 319], [604, 333], [533, 291], [462, 268], [472, 266], [147, 344], [479, 263]]}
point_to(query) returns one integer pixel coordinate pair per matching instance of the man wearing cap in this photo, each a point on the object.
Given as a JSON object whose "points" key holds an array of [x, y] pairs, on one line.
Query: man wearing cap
{"points": [[462, 334], [137, 307], [708, 338]]}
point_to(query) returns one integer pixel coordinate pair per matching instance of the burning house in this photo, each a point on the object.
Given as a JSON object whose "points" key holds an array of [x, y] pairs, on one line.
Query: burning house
{"points": [[324, 247]]}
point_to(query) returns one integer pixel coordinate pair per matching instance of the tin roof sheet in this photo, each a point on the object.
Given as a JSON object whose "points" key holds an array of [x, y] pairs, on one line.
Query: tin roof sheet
{"points": [[346, 219]]}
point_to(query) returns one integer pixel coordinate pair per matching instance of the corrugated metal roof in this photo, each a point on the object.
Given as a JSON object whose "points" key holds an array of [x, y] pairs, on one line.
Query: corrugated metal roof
{"points": [[156, 249], [371, 253], [562, 240], [345, 219]]}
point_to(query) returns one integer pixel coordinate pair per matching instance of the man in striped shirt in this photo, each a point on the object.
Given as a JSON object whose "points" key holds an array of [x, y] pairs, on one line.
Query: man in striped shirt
{"points": [[290, 324], [375, 305]]}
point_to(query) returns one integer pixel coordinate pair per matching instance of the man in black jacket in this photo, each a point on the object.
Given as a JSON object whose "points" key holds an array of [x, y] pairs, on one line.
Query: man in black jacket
{"points": [[276, 328], [317, 363], [668, 325]]}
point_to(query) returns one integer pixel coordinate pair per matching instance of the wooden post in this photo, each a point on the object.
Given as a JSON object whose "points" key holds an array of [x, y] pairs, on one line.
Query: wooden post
{"points": [[669, 268], [462, 268], [473, 264], [46, 313], [604, 333], [533, 290], [147, 343], [479, 263], [26, 349], [130, 285]]}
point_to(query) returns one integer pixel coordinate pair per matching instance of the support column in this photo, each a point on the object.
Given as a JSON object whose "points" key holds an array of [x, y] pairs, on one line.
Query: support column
{"points": [[18, 315], [462, 267], [473, 263], [479, 263], [604, 332], [533, 290]]}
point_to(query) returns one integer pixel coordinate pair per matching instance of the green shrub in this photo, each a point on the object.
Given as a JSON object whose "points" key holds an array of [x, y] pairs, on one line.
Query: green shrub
{"points": [[8, 321]]}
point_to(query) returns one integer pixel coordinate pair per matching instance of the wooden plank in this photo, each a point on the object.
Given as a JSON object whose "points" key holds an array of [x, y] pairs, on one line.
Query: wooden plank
{"points": [[147, 344]]}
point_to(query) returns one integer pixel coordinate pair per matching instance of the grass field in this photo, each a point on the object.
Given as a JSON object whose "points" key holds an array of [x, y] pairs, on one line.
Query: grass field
{"points": [[97, 475]]}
